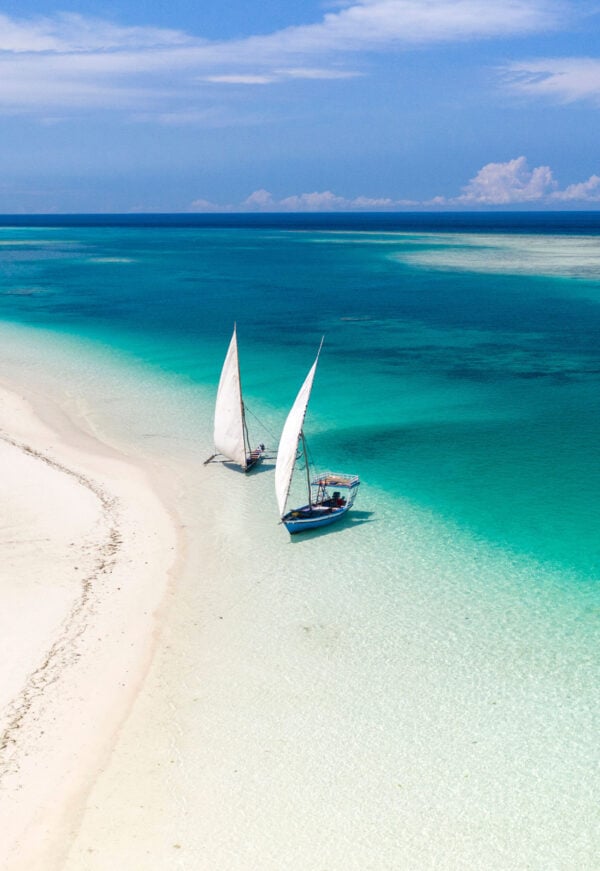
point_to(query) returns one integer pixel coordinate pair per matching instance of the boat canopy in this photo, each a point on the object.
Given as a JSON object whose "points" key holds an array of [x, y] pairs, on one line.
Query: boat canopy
{"points": [[333, 479]]}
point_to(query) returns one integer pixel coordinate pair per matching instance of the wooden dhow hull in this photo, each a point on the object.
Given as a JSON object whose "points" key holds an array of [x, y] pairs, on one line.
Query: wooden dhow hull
{"points": [[311, 517]]}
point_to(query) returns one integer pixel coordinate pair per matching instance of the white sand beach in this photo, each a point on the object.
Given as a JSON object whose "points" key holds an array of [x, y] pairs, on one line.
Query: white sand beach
{"points": [[86, 552]]}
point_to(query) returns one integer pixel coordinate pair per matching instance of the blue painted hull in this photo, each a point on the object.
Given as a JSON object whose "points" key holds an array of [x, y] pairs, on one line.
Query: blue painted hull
{"points": [[305, 518]]}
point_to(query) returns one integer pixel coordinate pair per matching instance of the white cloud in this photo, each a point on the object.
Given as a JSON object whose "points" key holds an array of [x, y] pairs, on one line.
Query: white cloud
{"points": [[316, 73], [72, 61], [373, 24], [373, 202], [201, 205], [376, 22], [584, 191], [186, 117], [496, 184], [260, 199], [510, 182], [317, 201], [240, 79], [564, 79], [70, 32], [279, 75]]}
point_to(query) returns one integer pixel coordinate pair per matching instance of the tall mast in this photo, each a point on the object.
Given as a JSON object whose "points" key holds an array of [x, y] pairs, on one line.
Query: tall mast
{"points": [[229, 436], [242, 410], [305, 452], [288, 443]]}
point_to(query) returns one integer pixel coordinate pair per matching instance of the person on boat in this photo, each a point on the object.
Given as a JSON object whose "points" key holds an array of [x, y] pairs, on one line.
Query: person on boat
{"points": [[256, 453], [335, 501]]}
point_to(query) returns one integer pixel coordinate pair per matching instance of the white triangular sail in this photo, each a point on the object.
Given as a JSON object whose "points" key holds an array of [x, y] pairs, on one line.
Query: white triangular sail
{"points": [[288, 444], [229, 409]]}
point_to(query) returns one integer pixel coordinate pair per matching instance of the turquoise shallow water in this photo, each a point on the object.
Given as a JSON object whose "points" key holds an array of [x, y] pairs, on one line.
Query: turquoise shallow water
{"points": [[423, 677], [460, 369]]}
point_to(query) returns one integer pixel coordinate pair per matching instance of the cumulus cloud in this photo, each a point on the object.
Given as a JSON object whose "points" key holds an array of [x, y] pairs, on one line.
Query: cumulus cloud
{"points": [[510, 182], [317, 201], [496, 184], [74, 61], [260, 199], [565, 79], [374, 202], [584, 191]]}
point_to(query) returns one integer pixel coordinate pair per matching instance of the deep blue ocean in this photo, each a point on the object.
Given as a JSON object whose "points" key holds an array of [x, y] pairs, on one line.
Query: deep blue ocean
{"points": [[461, 363]]}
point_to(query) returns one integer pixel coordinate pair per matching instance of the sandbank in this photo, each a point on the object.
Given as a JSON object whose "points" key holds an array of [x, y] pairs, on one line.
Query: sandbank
{"points": [[86, 553]]}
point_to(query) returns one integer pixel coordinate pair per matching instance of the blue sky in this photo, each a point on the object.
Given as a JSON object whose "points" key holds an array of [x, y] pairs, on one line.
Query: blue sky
{"points": [[194, 105]]}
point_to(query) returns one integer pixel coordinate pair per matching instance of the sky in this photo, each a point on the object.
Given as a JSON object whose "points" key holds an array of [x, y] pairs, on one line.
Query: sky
{"points": [[282, 105]]}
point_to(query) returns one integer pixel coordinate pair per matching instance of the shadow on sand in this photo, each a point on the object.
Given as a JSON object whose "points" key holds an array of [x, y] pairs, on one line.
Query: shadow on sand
{"points": [[258, 469]]}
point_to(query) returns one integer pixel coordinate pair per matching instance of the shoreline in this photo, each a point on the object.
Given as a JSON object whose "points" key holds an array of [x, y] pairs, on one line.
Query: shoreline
{"points": [[390, 694], [90, 552]]}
